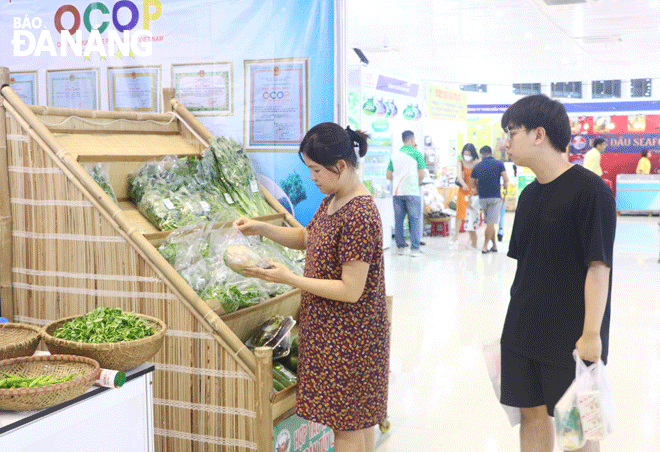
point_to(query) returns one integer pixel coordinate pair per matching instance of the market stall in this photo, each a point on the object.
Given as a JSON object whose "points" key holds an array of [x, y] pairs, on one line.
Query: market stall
{"points": [[67, 248]]}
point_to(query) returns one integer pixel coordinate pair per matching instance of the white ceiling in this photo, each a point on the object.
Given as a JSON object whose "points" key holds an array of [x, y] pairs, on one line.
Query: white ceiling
{"points": [[507, 41]]}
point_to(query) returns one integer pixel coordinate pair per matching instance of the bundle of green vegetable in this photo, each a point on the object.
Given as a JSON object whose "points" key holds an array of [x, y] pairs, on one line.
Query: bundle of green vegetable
{"points": [[177, 192], [101, 177], [105, 324], [283, 377], [237, 178], [21, 381]]}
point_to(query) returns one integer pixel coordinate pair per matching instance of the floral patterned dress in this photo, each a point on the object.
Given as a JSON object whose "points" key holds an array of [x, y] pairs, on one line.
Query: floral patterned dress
{"points": [[344, 347]]}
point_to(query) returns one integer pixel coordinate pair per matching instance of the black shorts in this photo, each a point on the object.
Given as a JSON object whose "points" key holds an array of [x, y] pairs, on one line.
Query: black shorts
{"points": [[527, 383]]}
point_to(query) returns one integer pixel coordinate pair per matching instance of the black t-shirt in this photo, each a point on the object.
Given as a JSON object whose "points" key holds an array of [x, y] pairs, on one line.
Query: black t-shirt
{"points": [[559, 228]]}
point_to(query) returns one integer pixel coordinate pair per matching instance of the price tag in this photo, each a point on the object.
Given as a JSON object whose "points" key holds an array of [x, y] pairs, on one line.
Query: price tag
{"points": [[168, 204], [228, 198], [254, 185], [206, 207]]}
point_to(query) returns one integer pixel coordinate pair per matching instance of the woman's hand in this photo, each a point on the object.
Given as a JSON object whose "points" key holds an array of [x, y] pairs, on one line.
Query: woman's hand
{"points": [[276, 272], [248, 226]]}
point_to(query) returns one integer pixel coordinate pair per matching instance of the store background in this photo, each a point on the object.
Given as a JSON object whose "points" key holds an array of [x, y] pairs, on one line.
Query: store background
{"points": [[203, 31]]}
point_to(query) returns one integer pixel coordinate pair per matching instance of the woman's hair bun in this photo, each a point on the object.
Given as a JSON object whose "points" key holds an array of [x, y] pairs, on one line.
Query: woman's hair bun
{"points": [[359, 139]]}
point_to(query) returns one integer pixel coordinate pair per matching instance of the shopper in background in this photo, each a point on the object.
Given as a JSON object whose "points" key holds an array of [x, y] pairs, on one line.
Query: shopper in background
{"points": [[592, 157], [644, 164], [343, 363], [467, 205], [563, 240], [406, 171], [485, 183]]}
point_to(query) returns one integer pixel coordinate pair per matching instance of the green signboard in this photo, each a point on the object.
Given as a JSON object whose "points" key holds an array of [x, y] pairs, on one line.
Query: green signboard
{"points": [[524, 180], [295, 434]]}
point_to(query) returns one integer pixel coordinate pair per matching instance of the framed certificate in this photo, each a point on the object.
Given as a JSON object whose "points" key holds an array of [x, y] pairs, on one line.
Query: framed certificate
{"points": [[134, 88], [73, 88], [205, 88], [25, 86], [276, 103]]}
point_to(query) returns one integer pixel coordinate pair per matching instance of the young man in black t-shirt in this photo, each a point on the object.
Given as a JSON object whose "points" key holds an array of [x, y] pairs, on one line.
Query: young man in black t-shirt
{"points": [[562, 238]]}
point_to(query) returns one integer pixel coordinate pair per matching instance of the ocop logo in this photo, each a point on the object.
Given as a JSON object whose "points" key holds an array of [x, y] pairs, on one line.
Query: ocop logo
{"points": [[283, 442], [139, 43]]}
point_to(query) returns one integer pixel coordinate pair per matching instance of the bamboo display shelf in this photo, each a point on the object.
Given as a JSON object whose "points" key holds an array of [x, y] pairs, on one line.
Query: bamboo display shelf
{"points": [[68, 248]]}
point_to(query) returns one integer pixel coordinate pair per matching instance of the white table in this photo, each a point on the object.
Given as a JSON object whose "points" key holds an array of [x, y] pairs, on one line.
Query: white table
{"points": [[101, 420]]}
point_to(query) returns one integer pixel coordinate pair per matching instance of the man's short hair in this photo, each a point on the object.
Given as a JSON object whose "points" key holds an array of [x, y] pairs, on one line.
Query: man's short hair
{"points": [[405, 136], [485, 150], [540, 111], [598, 141]]}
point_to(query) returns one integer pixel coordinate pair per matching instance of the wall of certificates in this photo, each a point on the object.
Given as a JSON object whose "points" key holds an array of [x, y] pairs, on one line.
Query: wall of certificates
{"points": [[249, 69]]}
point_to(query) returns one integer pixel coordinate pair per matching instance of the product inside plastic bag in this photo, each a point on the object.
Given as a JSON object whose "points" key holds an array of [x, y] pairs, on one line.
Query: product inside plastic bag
{"points": [[586, 410], [594, 399], [493, 357], [274, 332], [568, 425], [100, 175], [239, 254]]}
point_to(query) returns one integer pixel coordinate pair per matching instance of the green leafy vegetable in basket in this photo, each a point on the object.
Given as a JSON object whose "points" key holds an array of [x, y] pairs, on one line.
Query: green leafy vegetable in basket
{"points": [[21, 381], [105, 324]]}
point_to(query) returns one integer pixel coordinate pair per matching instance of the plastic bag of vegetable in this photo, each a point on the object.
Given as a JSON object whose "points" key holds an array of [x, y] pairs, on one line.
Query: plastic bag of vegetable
{"points": [[100, 175], [239, 254], [274, 332]]}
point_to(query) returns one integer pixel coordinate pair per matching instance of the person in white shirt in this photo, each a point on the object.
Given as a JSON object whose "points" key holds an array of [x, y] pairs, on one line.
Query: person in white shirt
{"points": [[406, 171]]}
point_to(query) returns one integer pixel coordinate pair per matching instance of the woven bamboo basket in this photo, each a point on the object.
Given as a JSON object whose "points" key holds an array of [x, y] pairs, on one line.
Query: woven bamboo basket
{"points": [[18, 339], [110, 355], [68, 248], [24, 399]]}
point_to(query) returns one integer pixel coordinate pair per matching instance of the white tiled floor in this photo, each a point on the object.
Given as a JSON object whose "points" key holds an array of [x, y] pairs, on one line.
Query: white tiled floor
{"points": [[448, 302]]}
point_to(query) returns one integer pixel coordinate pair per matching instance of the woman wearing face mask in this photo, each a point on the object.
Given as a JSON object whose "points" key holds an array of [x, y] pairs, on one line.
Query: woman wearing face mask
{"points": [[344, 334], [464, 199]]}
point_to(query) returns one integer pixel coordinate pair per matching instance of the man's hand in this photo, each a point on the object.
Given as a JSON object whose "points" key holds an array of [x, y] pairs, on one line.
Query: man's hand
{"points": [[589, 347]]}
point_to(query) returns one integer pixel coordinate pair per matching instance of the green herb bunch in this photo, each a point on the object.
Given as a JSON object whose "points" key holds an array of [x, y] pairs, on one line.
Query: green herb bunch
{"points": [[105, 324]]}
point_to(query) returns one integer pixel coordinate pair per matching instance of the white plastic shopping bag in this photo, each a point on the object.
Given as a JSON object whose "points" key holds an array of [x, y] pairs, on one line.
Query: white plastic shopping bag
{"points": [[493, 357], [586, 410], [568, 425], [594, 398]]}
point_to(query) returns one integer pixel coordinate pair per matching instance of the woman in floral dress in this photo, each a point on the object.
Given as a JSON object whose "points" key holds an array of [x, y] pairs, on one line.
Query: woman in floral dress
{"points": [[344, 336]]}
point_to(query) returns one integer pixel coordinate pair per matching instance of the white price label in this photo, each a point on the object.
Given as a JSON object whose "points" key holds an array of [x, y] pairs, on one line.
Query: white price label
{"points": [[228, 198], [254, 185], [168, 204], [206, 207]]}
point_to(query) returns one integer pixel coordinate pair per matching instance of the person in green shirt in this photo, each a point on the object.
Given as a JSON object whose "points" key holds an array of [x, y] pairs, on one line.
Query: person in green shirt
{"points": [[406, 171]]}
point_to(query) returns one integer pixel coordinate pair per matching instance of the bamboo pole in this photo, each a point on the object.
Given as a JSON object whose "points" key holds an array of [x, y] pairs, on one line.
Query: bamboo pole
{"points": [[168, 95], [264, 422], [98, 114], [207, 317], [6, 293], [191, 120], [279, 208]]}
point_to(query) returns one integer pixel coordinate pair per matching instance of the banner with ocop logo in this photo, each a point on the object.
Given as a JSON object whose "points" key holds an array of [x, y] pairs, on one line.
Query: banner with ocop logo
{"points": [[55, 50]]}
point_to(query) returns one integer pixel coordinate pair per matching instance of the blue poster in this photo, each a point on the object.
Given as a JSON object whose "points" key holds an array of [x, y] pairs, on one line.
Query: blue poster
{"points": [[82, 35]]}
